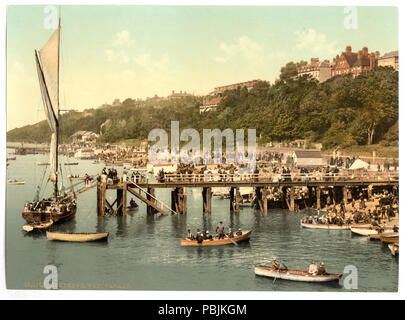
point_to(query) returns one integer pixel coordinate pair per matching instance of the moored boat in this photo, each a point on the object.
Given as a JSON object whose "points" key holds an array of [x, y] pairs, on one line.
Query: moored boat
{"points": [[384, 234], [394, 240], [42, 163], [327, 226], [370, 230], [294, 275], [15, 181], [394, 248], [71, 163], [76, 237], [245, 236], [38, 226]]}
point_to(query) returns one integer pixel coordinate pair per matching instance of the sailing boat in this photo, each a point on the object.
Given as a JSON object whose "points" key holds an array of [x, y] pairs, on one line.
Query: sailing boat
{"points": [[59, 207]]}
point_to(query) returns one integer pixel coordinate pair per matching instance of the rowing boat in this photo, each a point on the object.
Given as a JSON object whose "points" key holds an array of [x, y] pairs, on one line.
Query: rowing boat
{"points": [[245, 236], [384, 234], [38, 226], [394, 240], [294, 275], [394, 248], [327, 226], [15, 181], [76, 237], [370, 230]]}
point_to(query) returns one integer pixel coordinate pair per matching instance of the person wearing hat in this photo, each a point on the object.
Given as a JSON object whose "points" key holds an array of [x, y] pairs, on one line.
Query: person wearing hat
{"points": [[239, 232], [313, 269], [208, 236], [275, 265], [321, 269], [230, 233], [199, 236]]}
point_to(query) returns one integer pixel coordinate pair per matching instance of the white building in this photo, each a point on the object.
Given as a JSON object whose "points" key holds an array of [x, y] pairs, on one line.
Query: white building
{"points": [[305, 158], [320, 71]]}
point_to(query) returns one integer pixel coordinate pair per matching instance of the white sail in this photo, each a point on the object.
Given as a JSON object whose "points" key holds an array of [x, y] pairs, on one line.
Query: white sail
{"points": [[48, 73], [49, 56]]}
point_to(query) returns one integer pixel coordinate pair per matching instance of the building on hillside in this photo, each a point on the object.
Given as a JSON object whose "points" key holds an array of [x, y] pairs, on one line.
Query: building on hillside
{"points": [[320, 71], [307, 158], [354, 63], [181, 94], [211, 105], [83, 136], [248, 84], [389, 59]]}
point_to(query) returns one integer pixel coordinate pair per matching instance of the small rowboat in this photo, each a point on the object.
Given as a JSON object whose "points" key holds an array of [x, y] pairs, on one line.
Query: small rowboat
{"points": [[295, 275], [76, 237], [71, 163], [38, 226], [245, 236], [326, 226], [366, 231], [394, 240], [15, 181], [43, 163], [384, 234], [394, 248]]}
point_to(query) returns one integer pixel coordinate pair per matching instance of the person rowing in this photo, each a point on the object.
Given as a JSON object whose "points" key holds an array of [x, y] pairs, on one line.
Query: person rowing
{"points": [[230, 233], [313, 269], [190, 236], [321, 269], [199, 236], [208, 236], [275, 265]]}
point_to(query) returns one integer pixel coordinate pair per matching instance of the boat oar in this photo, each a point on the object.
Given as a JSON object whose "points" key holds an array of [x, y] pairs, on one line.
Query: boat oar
{"points": [[235, 243]]}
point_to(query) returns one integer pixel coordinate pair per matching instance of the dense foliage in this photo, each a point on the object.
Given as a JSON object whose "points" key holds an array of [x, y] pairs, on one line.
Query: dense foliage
{"points": [[342, 111]]}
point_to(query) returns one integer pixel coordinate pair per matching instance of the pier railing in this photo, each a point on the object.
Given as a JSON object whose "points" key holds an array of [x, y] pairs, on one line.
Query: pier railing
{"points": [[320, 177]]}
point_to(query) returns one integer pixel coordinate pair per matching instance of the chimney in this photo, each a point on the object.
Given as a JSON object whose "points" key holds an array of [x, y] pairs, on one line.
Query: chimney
{"points": [[359, 54], [365, 51], [348, 49]]}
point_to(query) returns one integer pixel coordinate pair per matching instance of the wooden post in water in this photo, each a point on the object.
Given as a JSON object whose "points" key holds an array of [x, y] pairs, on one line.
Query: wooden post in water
{"points": [[120, 202], [149, 209], [101, 186], [231, 198], [318, 197], [264, 199], [292, 199], [344, 191], [237, 199], [209, 199]]}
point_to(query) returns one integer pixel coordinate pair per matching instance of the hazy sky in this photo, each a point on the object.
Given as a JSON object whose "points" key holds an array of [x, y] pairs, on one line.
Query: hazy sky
{"points": [[110, 52]]}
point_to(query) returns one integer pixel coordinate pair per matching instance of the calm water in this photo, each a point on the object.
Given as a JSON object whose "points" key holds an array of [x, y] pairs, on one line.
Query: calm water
{"points": [[144, 252]]}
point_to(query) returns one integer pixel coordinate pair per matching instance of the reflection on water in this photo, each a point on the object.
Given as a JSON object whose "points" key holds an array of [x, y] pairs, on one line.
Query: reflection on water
{"points": [[146, 249]]}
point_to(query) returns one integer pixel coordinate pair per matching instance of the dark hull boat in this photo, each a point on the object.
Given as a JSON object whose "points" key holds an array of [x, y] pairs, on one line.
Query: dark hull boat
{"points": [[59, 207]]}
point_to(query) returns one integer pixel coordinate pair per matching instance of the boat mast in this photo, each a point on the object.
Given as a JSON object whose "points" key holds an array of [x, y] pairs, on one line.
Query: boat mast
{"points": [[57, 127]]}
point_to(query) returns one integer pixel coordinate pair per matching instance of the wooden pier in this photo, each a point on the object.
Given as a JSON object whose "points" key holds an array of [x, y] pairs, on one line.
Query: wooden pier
{"points": [[336, 188]]}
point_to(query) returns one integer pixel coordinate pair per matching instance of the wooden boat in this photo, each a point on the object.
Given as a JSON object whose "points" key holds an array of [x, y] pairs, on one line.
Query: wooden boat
{"points": [[332, 226], [15, 181], [42, 163], [76, 237], [295, 275], [38, 226], [384, 234], [394, 248], [12, 158], [366, 231], [245, 236], [394, 240], [71, 163]]}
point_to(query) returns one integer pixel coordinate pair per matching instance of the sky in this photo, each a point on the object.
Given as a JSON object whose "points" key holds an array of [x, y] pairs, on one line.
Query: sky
{"points": [[110, 52]]}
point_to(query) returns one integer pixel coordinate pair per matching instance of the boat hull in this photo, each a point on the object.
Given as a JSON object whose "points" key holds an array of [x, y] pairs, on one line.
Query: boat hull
{"points": [[76, 237], [46, 215], [295, 275], [394, 240], [332, 226], [367, 231], [217, 242]]}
